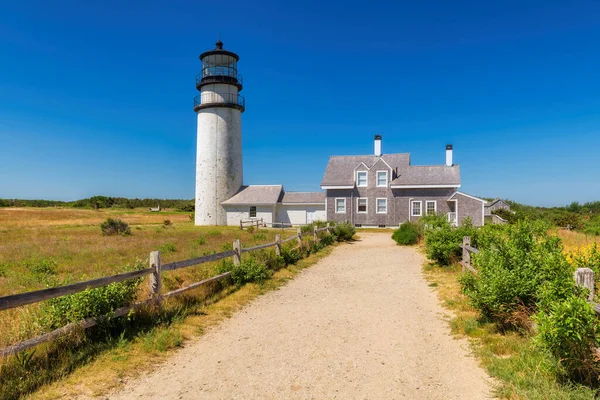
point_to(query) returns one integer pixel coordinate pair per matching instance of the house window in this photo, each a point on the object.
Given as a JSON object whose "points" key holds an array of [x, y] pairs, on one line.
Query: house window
{"points": [[382, 178], [361, 206], [416, 208], [381, 206], [361, 178], [252, 211], [431, 207], [340, 206]]}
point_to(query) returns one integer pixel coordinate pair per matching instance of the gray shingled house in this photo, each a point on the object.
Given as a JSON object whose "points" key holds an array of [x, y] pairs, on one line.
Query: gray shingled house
{"points": [[496, 204], [386, 190]]}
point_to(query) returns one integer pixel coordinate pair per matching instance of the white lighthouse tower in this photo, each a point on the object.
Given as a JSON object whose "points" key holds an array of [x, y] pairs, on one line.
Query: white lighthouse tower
{"points": [[219, 172]]}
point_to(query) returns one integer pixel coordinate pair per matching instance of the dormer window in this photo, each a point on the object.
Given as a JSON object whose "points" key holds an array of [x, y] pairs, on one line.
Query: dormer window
{"points": [[382, 178], [361, 179]]}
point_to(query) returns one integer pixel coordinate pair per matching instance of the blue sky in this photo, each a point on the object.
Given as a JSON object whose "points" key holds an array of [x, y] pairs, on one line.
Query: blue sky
{"points": [[96, 97]]}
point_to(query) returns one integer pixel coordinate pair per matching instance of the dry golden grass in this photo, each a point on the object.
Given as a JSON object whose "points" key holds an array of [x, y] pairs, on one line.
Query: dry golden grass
{"points": [[574, 240], [109, 370], [73, 239]]}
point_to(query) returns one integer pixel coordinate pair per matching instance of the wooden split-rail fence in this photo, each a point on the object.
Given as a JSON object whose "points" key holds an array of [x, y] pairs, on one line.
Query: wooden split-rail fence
{"points": [[156, 297], [583, 276]]}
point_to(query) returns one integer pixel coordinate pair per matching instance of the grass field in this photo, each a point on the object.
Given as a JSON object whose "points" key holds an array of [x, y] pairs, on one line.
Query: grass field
{"points": [[71, 241], [42, 246]]}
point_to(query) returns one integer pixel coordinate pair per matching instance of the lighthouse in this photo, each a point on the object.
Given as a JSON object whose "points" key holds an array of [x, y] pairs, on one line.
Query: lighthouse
{"points": [[219, 106]]}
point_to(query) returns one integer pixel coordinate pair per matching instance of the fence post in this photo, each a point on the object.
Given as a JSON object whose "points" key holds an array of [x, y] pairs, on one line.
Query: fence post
{"points": [[237, 247], [299, 232], [330, 227], [278, 244], [466, 256], [257, 224], [315, 235], [241, 226], [585, 277], [155, 279]]}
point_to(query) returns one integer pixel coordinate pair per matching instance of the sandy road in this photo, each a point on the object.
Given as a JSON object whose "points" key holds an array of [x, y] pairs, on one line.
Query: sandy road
{"points": [[360, 324]]}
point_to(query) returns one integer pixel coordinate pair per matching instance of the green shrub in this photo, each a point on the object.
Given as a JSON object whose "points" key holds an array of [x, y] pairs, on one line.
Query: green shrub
{"points": [[259, 236], [443, 242], [200, 241], [271, 260], [112, 227], [43, 266], [250, 229], [290, 255], [96, 302], [167, 223], [506, 214], [327, 240], [344, 232], [227, 246], [192, 216], [406, 234], [3, 270], [167, 248], [568, 332], [250, 270], [519, 268]]}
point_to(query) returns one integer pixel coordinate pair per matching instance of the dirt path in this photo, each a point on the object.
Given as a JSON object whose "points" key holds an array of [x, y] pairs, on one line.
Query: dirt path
{"points": [[360, 324]]}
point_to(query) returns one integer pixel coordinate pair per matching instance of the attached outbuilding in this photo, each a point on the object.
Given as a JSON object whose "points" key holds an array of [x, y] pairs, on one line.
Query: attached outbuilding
{"points": [[274, 207]]}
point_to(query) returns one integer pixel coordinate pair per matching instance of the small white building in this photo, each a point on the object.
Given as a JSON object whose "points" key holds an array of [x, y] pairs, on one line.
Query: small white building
{"points": [[272, 205]]}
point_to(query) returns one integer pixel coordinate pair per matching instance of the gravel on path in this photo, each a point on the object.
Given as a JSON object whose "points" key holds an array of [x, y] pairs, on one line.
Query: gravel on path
{"points": [[362, 323]]}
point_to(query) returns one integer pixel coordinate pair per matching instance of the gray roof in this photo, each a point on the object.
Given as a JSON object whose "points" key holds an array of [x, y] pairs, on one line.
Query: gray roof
{"points": [[428, 175], [256, 195], [340, 169], [304, 197], [491, 203]]}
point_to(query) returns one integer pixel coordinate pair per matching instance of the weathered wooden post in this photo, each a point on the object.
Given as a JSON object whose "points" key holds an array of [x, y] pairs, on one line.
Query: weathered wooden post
{"points": [[257, 224], [278, 244], [585, 277], [241, 226], [299, 232], [315, 235], [155, 279], [237, 248], [466, 256]]}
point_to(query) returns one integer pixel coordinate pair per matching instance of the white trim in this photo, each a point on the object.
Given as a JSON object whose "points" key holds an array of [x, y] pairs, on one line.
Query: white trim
{"points": [[387, 175], [302, 204], [337, 187], [363, 163], [434, 206], [483, 214], [335, 206], [366, 179], [423, 186], [377, 205], [420, 208], [467, 195], [366, 205], [248, 204]]}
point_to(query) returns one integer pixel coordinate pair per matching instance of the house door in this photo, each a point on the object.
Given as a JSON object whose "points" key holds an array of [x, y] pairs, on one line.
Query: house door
{"points": [[311, 215]]}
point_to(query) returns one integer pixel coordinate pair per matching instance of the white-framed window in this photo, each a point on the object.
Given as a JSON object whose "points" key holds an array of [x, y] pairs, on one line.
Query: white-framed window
{"points": [[340, 206], [382, 178], [415, 208], [252, 211], [430, 207], [361, 205], [381, 206], [361, 178]]}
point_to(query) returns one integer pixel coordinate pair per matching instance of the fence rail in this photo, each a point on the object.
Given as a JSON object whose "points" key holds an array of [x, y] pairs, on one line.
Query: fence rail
{"points": [[583, 276], [155, 283]]}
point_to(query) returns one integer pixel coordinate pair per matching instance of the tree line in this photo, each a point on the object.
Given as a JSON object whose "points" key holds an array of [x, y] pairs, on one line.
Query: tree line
{"points": [[97, 202]]}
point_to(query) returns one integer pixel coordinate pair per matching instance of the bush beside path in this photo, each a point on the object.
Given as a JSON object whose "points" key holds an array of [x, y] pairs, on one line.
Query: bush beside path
{"points": [[361, 323]]}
